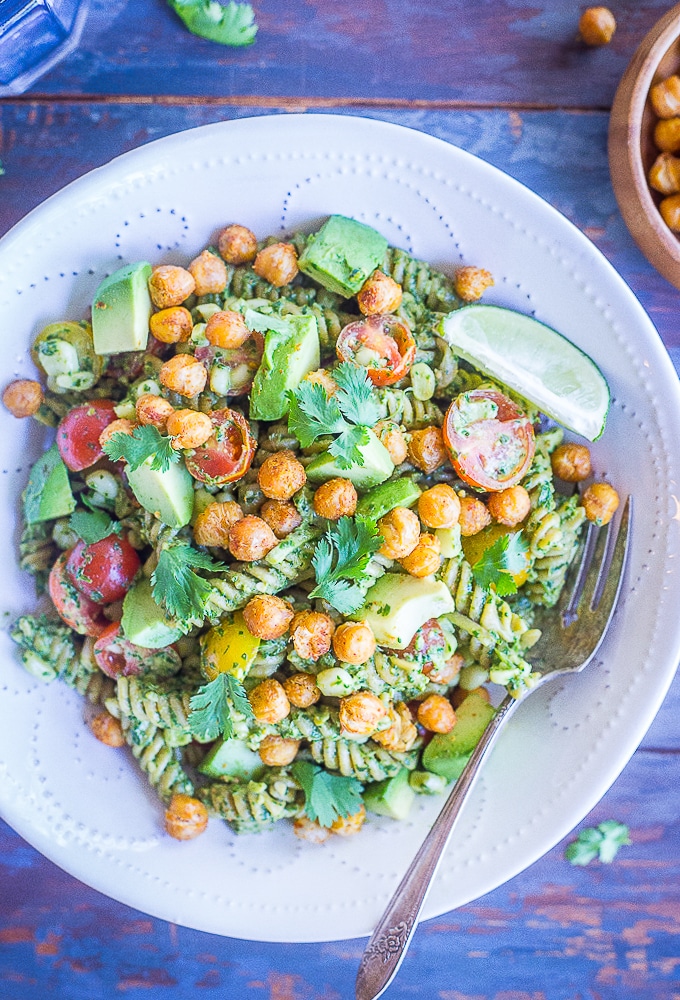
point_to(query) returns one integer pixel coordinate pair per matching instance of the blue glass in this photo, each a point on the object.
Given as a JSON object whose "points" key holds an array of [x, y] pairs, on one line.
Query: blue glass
{"points": [[34, 36]]}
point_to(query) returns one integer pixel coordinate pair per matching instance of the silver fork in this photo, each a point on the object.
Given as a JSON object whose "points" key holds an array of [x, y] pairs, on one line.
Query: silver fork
{"points": [[571, 635]]}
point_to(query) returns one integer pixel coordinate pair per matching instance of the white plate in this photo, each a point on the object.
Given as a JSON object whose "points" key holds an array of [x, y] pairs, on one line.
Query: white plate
{"points": [[83, 805]]}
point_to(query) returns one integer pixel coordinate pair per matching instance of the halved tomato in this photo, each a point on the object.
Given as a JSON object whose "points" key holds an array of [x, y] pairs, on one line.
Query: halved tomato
{"points": [[117, 657], [78, 433], [226, 456], [383, 345], [490, 441], [73, 607], [104, 570], [232, 371]]}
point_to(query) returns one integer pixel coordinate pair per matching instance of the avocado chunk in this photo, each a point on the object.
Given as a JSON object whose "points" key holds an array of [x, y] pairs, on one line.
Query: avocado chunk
{"points": [[377, 467], [448, 753], [121, 310], [383, 499], [144, 622], [343, 254], [231, 758], [398, 604], [392, 797], [48, 491], [291, 350], [168, 494]]}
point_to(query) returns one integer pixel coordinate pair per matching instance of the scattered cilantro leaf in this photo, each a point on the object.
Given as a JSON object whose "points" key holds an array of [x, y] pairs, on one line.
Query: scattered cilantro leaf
{"points": [[175, 585], [48, 491], [602, 841], [340, 557], [345, 447], [355, 396], [500, 562], [313, 414], [2, 169], [93, 525], [212, 706], [144, 442], [228, 24], [327, 796]]}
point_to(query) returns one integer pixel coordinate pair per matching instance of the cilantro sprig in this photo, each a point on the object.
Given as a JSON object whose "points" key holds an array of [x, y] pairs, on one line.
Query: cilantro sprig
{"points": [[327, 796], [175, 585], [228, 24], [143, 443], [602, 841], [93, 525], [500, 563], [340, 559], [211, 707]]}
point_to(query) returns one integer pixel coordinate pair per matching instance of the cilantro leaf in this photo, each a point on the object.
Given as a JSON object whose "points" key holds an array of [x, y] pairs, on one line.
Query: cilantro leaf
{"points": [[327, 796], [175, 585], [501, 562], [355, 395], [345, 447], [48, 492], [211, 707], [313, 414], [602, 841], [340, 557], [230, 24], [92, 526], [144, 442]]}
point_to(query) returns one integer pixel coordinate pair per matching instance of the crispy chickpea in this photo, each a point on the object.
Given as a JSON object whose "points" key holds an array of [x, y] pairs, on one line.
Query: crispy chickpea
{"points": [[226, 329], [571, 462], [439, 507], [354, 642], [310, 831], [302, 690], [185, 817], [335, 499], [597, 26], [509, 506], [209, 272], [312, 633], [379, 294], [171, 326], [402, 734], [460, 694], [436, 714], [321, 377], [212, 526], [665, 97], [600, 502], [170, 286], [426, 448], [670, 212], [470, 283], [277, 264], [277, 751], [400, 529], [107, 730], [360, 713], [251, 538], [120, 426], [281, 475], [267, 616], [473, 516], [23, 397], [269, 702], [237, 244], [281, 516], [391, 435], [444, 673], [425, 558], [347, 826], [189, 428], [667, 135], [183, 374], [664, 174], [154, 410]]}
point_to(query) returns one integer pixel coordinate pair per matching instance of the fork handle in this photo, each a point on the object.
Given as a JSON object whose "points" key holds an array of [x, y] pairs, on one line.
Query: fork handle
{"points": [[390, 939]]}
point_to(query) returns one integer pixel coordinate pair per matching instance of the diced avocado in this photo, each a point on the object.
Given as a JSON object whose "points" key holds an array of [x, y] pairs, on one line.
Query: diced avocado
{"points": [[392, 797], [169, 494], [343, 254], [121, 310], [450, 541], [398, 604], [144, 622], [291, 350], [383, 499], [448, 753], [377, 467], [231, 758], [48, 491]]}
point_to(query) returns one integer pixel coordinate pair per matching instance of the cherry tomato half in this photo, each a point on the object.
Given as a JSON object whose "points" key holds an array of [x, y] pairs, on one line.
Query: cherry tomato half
{"points": [[383, 345], [428, 644], [116, 657], [73, 607], [103, 571], [490, 441], [241, 363], [78, 433], [226, 456]]}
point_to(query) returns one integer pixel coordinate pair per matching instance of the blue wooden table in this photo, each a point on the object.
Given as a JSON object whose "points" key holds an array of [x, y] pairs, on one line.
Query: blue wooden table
{"points": [[509, 81]]}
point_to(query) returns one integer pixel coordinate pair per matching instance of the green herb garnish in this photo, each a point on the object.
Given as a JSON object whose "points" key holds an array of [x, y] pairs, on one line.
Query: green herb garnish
{"points": [[175, 585], [228, 24], [143, 443], [212, 706], [602, 841], [92, 526], [327, 796], [340, 557], [500, 563]]}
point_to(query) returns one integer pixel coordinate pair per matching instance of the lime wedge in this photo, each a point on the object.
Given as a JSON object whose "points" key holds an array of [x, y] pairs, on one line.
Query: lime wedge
{"points": [[534, 361]]}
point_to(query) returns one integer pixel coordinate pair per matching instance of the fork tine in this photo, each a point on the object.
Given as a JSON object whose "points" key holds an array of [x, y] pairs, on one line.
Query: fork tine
{"points": [[607, 591]]}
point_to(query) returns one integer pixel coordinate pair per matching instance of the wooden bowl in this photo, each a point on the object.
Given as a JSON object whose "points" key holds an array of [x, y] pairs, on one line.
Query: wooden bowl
{"points": [[631, 145]]}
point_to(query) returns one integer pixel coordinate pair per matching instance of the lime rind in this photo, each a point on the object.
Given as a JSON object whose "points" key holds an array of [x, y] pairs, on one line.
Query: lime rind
{"points": [[534, 361]]}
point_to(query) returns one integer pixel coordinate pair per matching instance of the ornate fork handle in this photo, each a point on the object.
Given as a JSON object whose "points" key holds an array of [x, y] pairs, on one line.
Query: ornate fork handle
{"points": [[390, 939]]}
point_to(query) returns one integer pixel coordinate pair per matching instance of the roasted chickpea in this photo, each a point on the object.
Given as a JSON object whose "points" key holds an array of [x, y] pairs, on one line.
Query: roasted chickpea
{"points": [[444, 673], [425, 558], [23, 397], [170, 286], [667, 135], [436, 714], [107, 730], [426, 449], [347, 826], [391, 435], [354, 642], [600, 502], [597, 26], [460, 694], [470, 283], [209, 273], [335, 499], [302, 690], [665, 97], [120, 426], [226, 329], [473, 516], [439, 507], [189, 428], [281, 516], [277, 264], [360, 713], [324, 378], [509, 506], [277, 751], [400, 529], [171, 326], [402, 734], [571, 462], [670, 212], [183, 374], [664, 174], [251, 538], [267, 616], [237, 244], [379, 294], [281, 475], [312, 633], [185, 817], [212, 526], [155, 410], [310, 831], [269, 702]]}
